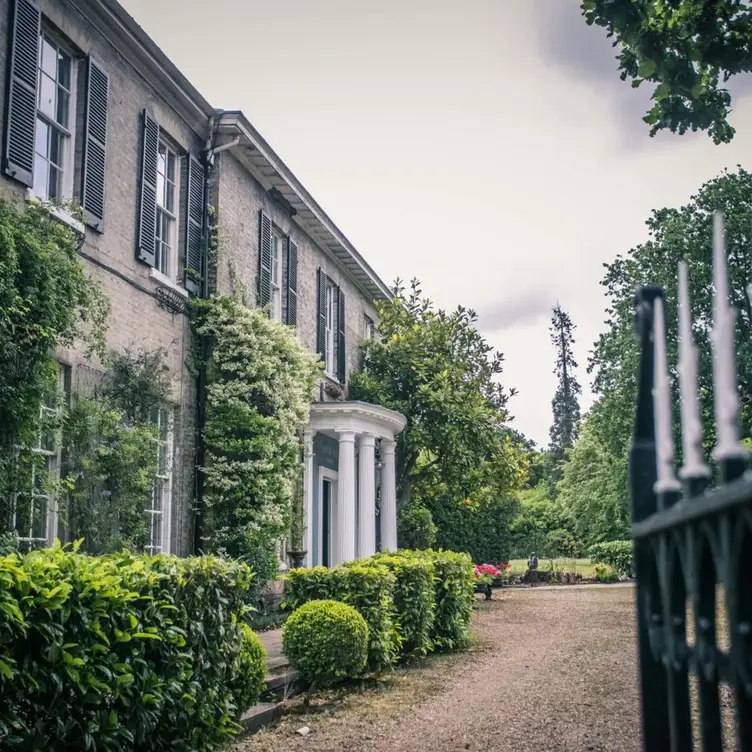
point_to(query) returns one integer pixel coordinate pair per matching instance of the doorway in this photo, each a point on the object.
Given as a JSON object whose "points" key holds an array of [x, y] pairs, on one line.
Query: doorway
{"points": [[327, 517]]}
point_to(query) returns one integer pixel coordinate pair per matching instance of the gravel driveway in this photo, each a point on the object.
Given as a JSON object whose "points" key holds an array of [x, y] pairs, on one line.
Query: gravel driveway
{"points": [[554, 668]]}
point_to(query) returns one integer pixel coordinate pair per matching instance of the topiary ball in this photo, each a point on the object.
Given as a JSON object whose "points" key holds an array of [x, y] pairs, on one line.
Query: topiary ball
{"points": [[248, 678], [326, 641]]}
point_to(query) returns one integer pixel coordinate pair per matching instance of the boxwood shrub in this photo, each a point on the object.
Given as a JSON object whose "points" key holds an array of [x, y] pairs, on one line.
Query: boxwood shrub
{"points": [[364, 585], [123, 652], [326, 641], [414, 598], [454, 583]]}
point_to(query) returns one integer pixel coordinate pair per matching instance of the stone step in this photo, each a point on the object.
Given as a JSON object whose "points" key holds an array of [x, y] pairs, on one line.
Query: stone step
{"points": [[261, 715], [277, 681]]}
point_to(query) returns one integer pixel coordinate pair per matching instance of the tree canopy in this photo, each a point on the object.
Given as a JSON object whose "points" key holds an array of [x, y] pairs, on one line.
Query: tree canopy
{"points": [[688, 48], [436, 368]]}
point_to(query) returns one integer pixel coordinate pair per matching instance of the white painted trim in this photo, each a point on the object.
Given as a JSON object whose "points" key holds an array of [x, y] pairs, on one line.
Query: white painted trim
{"points": [[360, 417], [163, 279], [64, 216], [332, 476]]}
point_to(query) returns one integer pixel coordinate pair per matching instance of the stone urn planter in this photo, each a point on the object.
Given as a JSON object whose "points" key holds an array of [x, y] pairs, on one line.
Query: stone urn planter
{"points": [[297, 558], [482, 587]]}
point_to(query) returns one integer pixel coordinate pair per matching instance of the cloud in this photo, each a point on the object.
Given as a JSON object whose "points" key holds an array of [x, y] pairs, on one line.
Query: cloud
{"points": [[526, 308]]}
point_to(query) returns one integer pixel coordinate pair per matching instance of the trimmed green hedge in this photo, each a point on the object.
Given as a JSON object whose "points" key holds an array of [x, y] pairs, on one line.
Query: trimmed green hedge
{"points": [[414, 598], [123, 652], [615, 554], [326, 641], [402, 614], [365, 586], [454, 581]]}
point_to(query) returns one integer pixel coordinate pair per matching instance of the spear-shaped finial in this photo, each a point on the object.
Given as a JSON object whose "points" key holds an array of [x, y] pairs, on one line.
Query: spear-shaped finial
{"points": [[666, 486], [729, 452], [694, 472]]}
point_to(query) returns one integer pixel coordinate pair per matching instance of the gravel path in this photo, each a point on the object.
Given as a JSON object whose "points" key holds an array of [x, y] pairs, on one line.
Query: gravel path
{"points": [[554, 669]]}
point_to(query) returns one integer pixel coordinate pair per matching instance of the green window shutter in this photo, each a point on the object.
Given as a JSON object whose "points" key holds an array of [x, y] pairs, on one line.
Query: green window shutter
{"points": [[292, 283], [341, 353], [147, 204], [265, 261], [95, 145], [21, 121], [194, 223], [321, 331]]}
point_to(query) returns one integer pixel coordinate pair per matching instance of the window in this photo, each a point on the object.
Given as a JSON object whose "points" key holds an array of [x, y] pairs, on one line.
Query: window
{"points": [[53, 147], [35, 512], [330, 358], [158, 515], [278, 254], [368, 327], [165, 245]]}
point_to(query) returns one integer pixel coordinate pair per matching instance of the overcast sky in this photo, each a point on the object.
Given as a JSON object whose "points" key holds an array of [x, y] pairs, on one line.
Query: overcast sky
{"points": [[487, 147]]}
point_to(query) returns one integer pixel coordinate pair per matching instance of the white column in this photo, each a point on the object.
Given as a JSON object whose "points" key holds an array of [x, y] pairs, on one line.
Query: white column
{"points": [[345, 539], [367, 497], [388, 514], [308, 495]]}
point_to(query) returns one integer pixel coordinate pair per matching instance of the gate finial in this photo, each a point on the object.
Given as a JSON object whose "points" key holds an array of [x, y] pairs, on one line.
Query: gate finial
{"points": [[666, 486], [694, 471], [729, 451]]}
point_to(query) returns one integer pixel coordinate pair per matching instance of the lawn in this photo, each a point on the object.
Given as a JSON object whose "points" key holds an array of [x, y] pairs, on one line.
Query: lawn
{"points": [[584, 566]]}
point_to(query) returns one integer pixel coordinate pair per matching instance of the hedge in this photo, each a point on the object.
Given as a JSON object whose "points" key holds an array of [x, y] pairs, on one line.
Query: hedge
{"points": [[414, 598], [326, 641], [454, 582], [123, 652], [395, 604], [615, 554], [364, 585]]}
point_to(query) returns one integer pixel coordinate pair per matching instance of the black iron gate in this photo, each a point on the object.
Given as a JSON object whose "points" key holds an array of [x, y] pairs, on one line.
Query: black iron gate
{"points": [[692, 546]]}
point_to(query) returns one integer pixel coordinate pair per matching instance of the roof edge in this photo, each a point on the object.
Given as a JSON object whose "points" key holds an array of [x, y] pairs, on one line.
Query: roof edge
{"points": [[239, 120]]}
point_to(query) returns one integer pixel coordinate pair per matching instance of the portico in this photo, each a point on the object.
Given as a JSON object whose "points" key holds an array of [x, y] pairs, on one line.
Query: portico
{"points": [[341, 478]]}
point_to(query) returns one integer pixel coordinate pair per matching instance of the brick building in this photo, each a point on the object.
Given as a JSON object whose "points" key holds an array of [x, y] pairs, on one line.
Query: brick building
{"points": [[94, 111]]}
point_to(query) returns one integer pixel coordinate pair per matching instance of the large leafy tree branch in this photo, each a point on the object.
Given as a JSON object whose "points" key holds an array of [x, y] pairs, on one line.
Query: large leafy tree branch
{"points": [[688, 48], [434, 367]]}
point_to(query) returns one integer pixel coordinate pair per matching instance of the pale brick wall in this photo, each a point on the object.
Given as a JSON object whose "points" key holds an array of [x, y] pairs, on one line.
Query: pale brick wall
{"points": [[240, 199], [135, 320]]}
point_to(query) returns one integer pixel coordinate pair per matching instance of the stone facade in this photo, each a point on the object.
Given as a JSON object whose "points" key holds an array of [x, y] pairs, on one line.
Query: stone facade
{"points": [[142, 79]]}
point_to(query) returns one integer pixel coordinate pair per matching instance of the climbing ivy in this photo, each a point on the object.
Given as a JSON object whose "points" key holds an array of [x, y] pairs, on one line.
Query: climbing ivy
{"points": [[261, 382], [46, 301], [111, 446]]}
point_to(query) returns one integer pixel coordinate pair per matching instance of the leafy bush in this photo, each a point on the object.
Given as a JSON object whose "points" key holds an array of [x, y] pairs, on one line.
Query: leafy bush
{"points": [[249, 672], [326, 641], [414, 598], [261, 381], [454, 582], [47, 300], [604, 573], [122, 652], [615, 554], [415, 528], [364, 585], [479, 528]]}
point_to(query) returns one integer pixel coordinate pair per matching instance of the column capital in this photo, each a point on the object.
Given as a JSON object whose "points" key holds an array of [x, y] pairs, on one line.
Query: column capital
{"points": [[346, 436], [367, 440], [388, 446], [308, 435]]}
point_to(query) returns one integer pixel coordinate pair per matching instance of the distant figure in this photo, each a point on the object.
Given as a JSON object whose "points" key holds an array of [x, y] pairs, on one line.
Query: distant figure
{"points": [[532, 565]]}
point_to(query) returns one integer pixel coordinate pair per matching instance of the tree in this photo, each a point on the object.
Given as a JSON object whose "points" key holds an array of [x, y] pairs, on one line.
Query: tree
{"points": [[565, 404], [593, 489], [437, 369], [676, 234], [689, 48]]}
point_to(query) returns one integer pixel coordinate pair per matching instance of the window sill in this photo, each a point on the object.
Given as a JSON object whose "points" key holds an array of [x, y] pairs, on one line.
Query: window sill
{"points": [[60, 214], [163, 279]]}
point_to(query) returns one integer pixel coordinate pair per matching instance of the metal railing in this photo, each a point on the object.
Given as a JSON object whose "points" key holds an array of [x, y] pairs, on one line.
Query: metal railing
{"points": [[692, 544]]}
